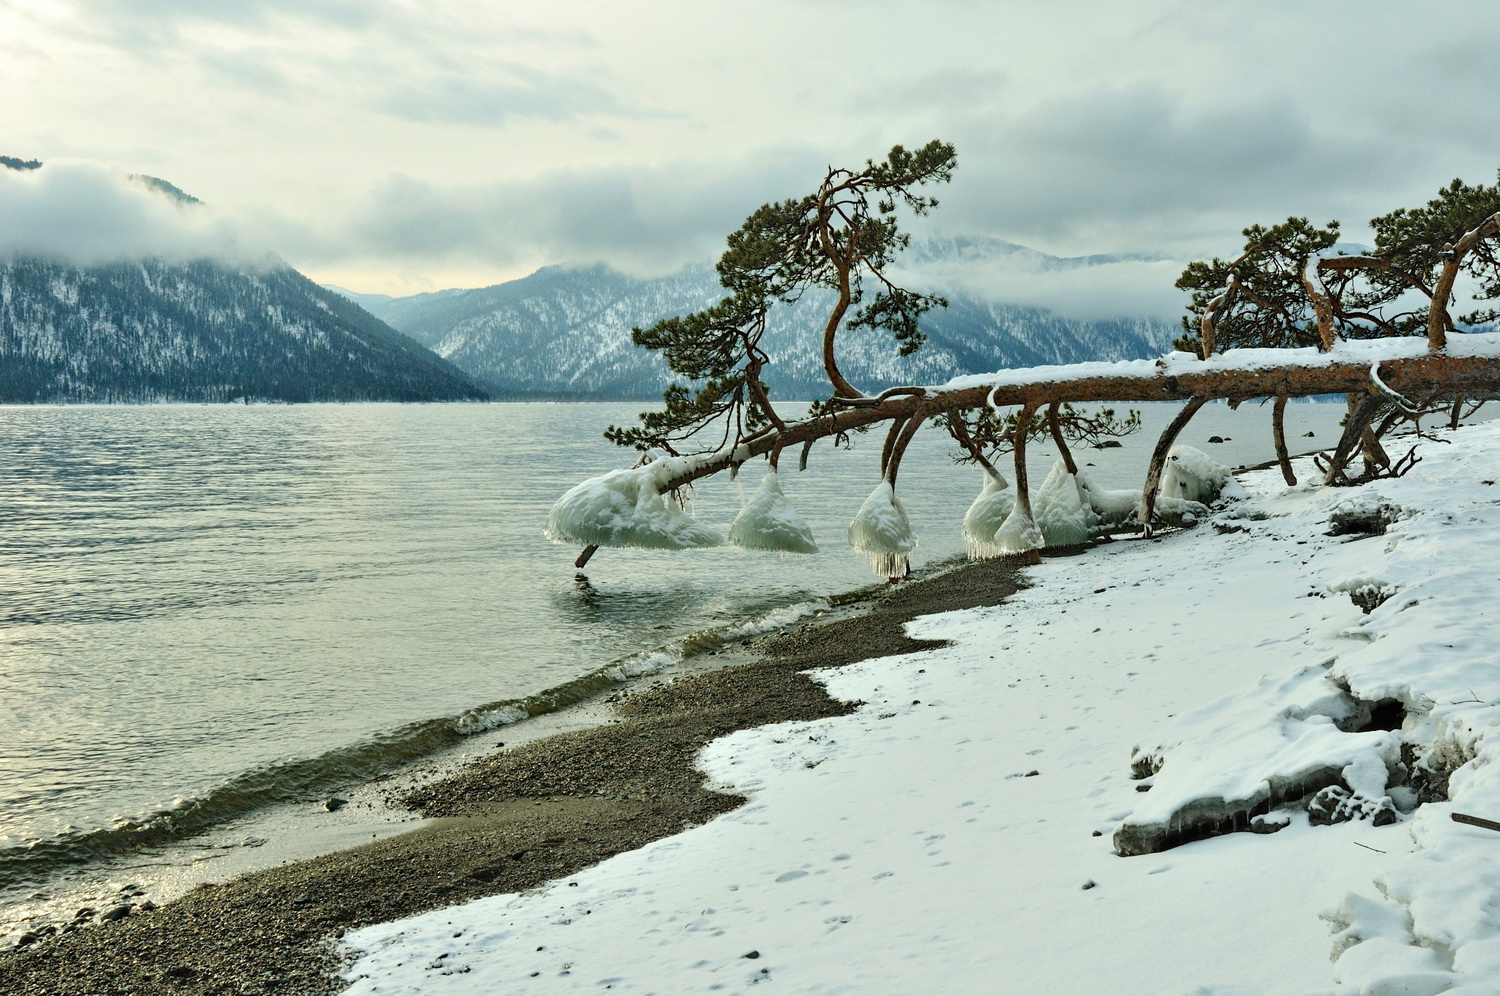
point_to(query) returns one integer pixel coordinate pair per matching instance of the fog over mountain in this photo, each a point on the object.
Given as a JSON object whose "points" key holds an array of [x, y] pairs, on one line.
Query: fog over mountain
{"points": [[121, 288], [564, 331]]}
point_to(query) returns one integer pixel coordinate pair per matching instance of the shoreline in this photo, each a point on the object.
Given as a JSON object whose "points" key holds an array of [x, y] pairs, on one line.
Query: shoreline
{"points": [[501, 822]]}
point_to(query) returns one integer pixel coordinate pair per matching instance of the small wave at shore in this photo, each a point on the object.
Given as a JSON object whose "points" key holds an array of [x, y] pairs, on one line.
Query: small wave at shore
{"points": [[308, 779]]}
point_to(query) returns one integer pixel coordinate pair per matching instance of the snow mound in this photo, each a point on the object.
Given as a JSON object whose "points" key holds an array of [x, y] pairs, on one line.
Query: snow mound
{"points": [[769, 522], [882, 530], [1217, 768], [985, 517], [625, 508]]}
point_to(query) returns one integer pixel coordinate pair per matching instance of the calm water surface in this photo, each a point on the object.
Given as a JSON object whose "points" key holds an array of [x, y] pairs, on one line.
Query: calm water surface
{"points": [[204, 610]]}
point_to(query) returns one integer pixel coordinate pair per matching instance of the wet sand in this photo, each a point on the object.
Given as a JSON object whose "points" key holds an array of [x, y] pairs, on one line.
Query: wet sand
{"points": [[504, 822]]}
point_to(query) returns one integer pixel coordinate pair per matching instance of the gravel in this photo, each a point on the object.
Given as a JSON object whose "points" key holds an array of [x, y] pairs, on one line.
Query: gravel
{"points": [[505, 822]]}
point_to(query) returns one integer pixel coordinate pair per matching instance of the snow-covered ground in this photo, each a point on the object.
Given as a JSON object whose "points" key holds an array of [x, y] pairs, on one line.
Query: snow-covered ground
{"points": [[957, 833]]}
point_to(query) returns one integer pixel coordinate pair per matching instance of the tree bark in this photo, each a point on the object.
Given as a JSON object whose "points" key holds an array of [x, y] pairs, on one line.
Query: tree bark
{"points": [[1438, 374], [904, 440], [841, 387], [1438, 319], [1361, 410], [1054, 424], [1023, 487], [897, 424], [1322, 303], [1159, 460], [1278, 436]]}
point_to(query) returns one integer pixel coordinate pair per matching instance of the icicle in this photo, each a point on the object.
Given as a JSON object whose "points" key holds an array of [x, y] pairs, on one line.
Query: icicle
{"points": [[882, 530], [985, 516], [626, 508], [769, 522]]}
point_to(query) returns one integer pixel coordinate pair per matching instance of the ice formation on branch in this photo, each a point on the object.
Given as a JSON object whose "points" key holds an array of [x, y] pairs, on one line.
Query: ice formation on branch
{"points": [[1018, 533], [1193, 475], [986, 515], [769, 522], [1063, 508], [627, 508], [1114, 508], [882, 530]]}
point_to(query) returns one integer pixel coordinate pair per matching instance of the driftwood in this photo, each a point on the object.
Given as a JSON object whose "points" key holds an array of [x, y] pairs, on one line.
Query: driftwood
{"points": [[1475, 821]]}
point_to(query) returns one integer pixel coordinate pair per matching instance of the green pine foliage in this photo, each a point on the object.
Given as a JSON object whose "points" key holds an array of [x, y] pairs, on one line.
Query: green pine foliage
{"points": [[1269, 307], [842, 238]]}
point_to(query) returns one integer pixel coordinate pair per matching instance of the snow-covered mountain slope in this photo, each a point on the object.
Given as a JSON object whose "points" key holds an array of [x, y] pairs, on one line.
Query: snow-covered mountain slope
{"points": [[151, 330], [133, 326], [565, 331]]}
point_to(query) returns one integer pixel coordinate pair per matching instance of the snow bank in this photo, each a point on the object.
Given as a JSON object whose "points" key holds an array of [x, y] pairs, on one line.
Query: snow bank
{"points": [[956, 832]]}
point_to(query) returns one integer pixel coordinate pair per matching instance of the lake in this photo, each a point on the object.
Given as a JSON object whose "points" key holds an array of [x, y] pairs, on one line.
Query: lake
{"points": [[210, 610]]}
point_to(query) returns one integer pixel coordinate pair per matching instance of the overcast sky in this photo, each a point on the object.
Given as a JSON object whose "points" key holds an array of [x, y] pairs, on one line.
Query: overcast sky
{"points": [[394, 146]]}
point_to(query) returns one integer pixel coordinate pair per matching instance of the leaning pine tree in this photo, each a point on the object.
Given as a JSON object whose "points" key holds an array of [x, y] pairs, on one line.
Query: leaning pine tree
{"points": [[1281, 320]]}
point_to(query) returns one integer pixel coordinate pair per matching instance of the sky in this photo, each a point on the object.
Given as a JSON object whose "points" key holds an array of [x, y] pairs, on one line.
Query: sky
{"points": [[396, 147]]}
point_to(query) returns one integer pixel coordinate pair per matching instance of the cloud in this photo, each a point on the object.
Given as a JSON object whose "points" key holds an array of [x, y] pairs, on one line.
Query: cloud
{"points": [[1159, 163], [454, 98], [1106, 290], [149, 23], [87, 214], [645, 220]]}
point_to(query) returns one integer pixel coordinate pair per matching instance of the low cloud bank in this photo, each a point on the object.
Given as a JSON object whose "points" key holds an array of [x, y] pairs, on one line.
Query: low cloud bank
{"points": [[1132, 288], [87, 214]]}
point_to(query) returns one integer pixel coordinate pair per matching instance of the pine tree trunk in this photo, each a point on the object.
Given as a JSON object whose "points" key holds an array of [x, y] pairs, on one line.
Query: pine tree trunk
{"points": [[1278, 436]]}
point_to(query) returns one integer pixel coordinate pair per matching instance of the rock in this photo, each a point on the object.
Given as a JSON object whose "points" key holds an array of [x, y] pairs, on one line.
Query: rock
{"points": [[1307, 435], [1216, 439], [334, 805], [752, 955], [182, 972], [1367, 515], [1109, 444], [1270, 822], [1336, 804], [117, 913], [1089, 884]]}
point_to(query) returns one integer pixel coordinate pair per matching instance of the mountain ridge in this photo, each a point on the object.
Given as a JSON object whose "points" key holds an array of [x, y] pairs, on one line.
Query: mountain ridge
{"points": [[150, 329], [564, 330]]}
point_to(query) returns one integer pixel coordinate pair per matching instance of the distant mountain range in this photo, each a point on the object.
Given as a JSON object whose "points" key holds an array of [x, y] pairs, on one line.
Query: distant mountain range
{"points": [[207, 330], [564, 331], [212, 330]]}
